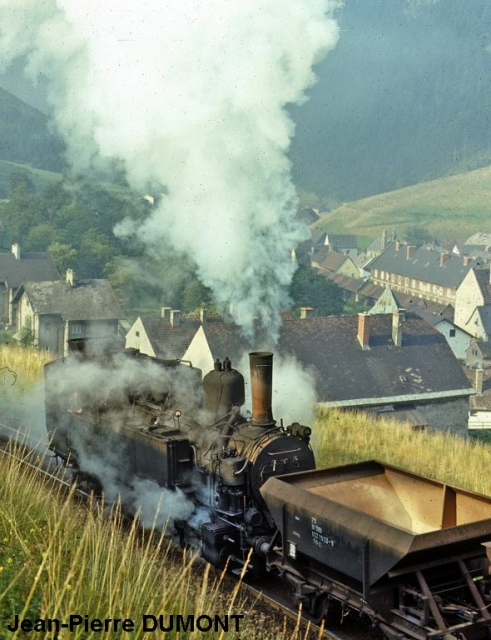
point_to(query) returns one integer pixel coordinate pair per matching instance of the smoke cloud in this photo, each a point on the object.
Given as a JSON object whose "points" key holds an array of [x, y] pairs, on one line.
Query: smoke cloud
{"points": [[87, 388], [189, 99]]}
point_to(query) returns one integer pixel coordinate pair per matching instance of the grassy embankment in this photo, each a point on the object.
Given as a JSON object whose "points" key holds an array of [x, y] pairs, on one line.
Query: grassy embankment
{"points": [[340, 438], [59, 559], [449, 208]]}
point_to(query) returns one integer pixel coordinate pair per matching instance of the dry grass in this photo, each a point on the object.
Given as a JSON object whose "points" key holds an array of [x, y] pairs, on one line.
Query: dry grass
{"points": [[58, 559], [342, 437], [22, 366]]}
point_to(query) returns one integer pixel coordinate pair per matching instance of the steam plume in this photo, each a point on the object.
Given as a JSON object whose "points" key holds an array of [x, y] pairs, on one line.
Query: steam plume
{"points": [[189, 98]]}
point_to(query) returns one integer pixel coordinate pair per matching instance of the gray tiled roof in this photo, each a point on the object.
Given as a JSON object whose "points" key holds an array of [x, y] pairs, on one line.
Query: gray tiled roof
{"points": [[424, 364], [482, 277], [485, 316], [88, 300], [346, 241], [33, 267], [352, 285], [330, 261], [424, 265], [170, 342]]}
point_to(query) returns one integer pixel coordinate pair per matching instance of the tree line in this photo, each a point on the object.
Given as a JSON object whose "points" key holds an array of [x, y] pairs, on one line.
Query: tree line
{"points": [[75, 224]]}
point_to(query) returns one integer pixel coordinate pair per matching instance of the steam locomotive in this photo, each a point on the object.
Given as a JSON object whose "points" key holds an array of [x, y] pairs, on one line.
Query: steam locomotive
{"points": [[407, 554]]}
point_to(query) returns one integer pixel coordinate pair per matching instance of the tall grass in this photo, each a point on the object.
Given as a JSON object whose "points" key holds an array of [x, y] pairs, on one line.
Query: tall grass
{"points": [[58, 559], [22, 366], [343, 437]]}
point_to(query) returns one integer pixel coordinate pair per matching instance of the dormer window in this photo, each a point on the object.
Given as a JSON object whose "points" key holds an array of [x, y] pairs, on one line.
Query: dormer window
{"points": [[75, 329]]}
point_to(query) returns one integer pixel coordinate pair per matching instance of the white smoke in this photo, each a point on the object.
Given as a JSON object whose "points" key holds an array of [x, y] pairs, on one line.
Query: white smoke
{"points": [[87, 388], [189, 98], [155, 506], [91, 383], [294, 389]]}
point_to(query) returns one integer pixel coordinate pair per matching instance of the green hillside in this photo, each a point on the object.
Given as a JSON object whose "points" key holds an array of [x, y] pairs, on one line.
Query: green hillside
{"points": [[39, 177], [25, 136], [450, 208]]}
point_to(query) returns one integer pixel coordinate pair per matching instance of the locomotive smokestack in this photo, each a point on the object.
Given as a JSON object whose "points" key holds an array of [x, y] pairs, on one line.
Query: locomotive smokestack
{"points": [[261, 363]]}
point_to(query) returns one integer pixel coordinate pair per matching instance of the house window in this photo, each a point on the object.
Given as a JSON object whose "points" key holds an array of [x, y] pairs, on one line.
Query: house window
{"points": [[451, 333], [375, 272], [75, 329], [137, 334]]}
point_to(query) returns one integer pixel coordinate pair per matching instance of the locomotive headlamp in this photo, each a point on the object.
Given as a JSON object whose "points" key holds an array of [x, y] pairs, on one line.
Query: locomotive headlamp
{"points": [[300, 431]]}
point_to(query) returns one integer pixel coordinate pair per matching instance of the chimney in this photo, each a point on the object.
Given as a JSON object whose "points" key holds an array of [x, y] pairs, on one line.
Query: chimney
{"points": [[364, 330], [261, 364], [16, 250], [203, 315], [175, 318], [70, 277], [165, 313], [305, 312], [478, 383], [398, 317], [398, 245], [383, 245], [410, 249], [465, 260], [443, 258]]}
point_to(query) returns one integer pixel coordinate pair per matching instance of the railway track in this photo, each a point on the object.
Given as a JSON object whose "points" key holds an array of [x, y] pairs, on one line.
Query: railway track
{"points": [[349, 628], [38, 457]]}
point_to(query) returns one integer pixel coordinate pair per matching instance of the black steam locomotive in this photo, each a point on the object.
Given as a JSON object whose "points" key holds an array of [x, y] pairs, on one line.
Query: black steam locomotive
{"points": [[406, 553]]}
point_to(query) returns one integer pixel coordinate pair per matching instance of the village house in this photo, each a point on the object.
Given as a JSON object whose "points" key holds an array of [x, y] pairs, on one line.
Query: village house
{"points": [[480, 403], [57, 313], [393, 365], [345, 244], [380, 244], [478, 354], [473, 303], [332, 263], [17, 267], [166, 337], [439, 316], [425, 273]]}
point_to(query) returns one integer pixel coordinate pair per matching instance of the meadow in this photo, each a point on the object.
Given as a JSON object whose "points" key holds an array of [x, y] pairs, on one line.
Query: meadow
{"points": [[451, 208]]}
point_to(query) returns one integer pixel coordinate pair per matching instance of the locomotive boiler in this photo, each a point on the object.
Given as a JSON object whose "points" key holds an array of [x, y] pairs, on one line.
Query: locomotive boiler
{"points": [[408, 555], [210, 452]]}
